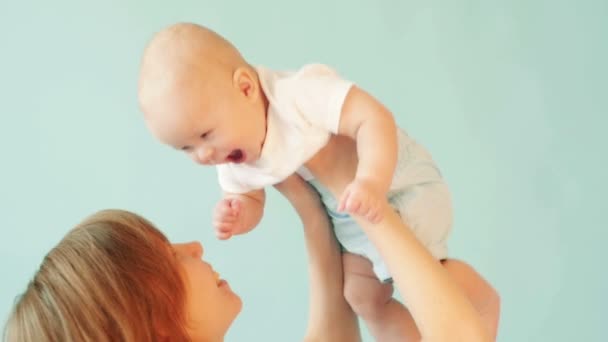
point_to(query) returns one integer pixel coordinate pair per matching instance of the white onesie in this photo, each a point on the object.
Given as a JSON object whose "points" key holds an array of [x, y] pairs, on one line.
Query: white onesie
{"points": [[304, 110]]}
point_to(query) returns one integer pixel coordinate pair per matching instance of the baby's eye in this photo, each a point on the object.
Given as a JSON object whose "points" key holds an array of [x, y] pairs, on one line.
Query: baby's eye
{"points": [[186, 148], [205, 135]]}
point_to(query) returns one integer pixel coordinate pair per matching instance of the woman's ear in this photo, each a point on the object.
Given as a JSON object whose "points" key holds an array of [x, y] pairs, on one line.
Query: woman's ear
{"points": [[161, 329]]}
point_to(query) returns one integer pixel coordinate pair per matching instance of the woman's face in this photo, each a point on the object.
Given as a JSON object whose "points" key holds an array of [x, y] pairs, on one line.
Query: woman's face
{"points": [[211, 306]]}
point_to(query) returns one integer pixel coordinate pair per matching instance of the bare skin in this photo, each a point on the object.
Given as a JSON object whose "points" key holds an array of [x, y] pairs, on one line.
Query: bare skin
{"points": [[479, 292], [330, 317], [437, 294], [200, 96]]}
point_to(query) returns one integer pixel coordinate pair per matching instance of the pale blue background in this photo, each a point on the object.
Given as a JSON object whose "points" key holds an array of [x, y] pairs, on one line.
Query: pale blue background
{"points": [[510, 97]]}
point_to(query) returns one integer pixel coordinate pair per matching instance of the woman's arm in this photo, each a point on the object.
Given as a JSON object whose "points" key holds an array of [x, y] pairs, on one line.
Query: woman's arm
{"points": [[331, 318], [440, 309]]}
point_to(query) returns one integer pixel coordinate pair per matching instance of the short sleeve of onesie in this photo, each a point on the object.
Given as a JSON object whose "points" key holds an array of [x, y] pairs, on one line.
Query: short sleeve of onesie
{"points": [[319, 93]]}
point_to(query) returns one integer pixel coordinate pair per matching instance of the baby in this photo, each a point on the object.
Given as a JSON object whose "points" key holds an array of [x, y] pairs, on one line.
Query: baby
{"points": [[258, 126]]}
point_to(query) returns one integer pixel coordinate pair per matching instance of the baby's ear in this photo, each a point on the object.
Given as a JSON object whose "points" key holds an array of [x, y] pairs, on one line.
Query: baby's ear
{"points": [[245, 81]]}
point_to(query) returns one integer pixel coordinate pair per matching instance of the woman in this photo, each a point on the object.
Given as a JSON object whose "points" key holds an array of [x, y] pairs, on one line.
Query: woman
{"points": [[117, 278]]}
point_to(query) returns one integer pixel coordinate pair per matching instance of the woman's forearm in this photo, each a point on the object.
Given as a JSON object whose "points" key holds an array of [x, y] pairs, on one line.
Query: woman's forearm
{"points": [[439, 308], [330, 317]]}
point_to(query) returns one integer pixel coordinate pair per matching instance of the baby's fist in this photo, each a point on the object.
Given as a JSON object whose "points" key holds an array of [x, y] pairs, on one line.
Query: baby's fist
{"points": [[226, 216], [362, 198]]}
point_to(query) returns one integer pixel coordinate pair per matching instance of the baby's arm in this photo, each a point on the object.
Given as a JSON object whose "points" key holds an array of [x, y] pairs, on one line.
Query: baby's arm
{"points": [[238, 213], [372, 126]]}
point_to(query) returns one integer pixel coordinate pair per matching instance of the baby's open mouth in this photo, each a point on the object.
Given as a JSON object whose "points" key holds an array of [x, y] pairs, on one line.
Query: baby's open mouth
{"points": [[236, 156]]}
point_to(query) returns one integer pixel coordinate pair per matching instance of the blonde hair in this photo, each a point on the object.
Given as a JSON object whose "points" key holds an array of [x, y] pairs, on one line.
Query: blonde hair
{"points": [[184, 53], [111, 278], [191, 44]]}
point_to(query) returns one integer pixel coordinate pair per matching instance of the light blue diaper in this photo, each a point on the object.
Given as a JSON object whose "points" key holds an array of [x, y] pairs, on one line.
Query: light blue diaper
{"points": [[425, 208], [418, 194], [349, 233]]}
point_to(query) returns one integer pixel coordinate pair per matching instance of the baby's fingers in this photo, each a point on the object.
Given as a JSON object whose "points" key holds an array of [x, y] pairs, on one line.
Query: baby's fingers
{"points": [[228, 218], [375, 213], [235, 206], [223, 225], [223, 229], [365, 208], [223, 235], [353, 205], [343, 200]]}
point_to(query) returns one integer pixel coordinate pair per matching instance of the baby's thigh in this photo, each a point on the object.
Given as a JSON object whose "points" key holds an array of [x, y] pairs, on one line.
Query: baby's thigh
{"points": [[362, 287], [427, 210]]}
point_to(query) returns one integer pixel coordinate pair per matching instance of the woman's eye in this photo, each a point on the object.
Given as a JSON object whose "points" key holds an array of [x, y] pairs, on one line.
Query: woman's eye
{"points": [[204, 135]]}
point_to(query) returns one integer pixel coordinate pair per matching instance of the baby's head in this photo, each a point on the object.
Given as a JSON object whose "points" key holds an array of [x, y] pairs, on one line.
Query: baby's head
{"points": [[199, 95]]}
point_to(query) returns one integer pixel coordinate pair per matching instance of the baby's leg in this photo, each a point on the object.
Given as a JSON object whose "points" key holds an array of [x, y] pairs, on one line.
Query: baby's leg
{"points": [[386, 318]]}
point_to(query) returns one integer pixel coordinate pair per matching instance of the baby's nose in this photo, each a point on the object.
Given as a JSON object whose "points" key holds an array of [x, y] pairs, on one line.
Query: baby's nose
{"points": [[204, 155]]}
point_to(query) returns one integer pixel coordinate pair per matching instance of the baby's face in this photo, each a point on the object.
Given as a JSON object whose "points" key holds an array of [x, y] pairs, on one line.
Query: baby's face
{"points": [[213, 126]]}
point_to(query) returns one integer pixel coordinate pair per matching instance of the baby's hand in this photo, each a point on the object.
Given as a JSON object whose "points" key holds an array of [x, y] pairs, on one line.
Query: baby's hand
{"points": [[362, 198], [227, 218]]}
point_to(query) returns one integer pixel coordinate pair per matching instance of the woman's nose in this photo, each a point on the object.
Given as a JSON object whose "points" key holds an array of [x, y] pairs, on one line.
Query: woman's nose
{"points": [[196, 249], [193, 249]]}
